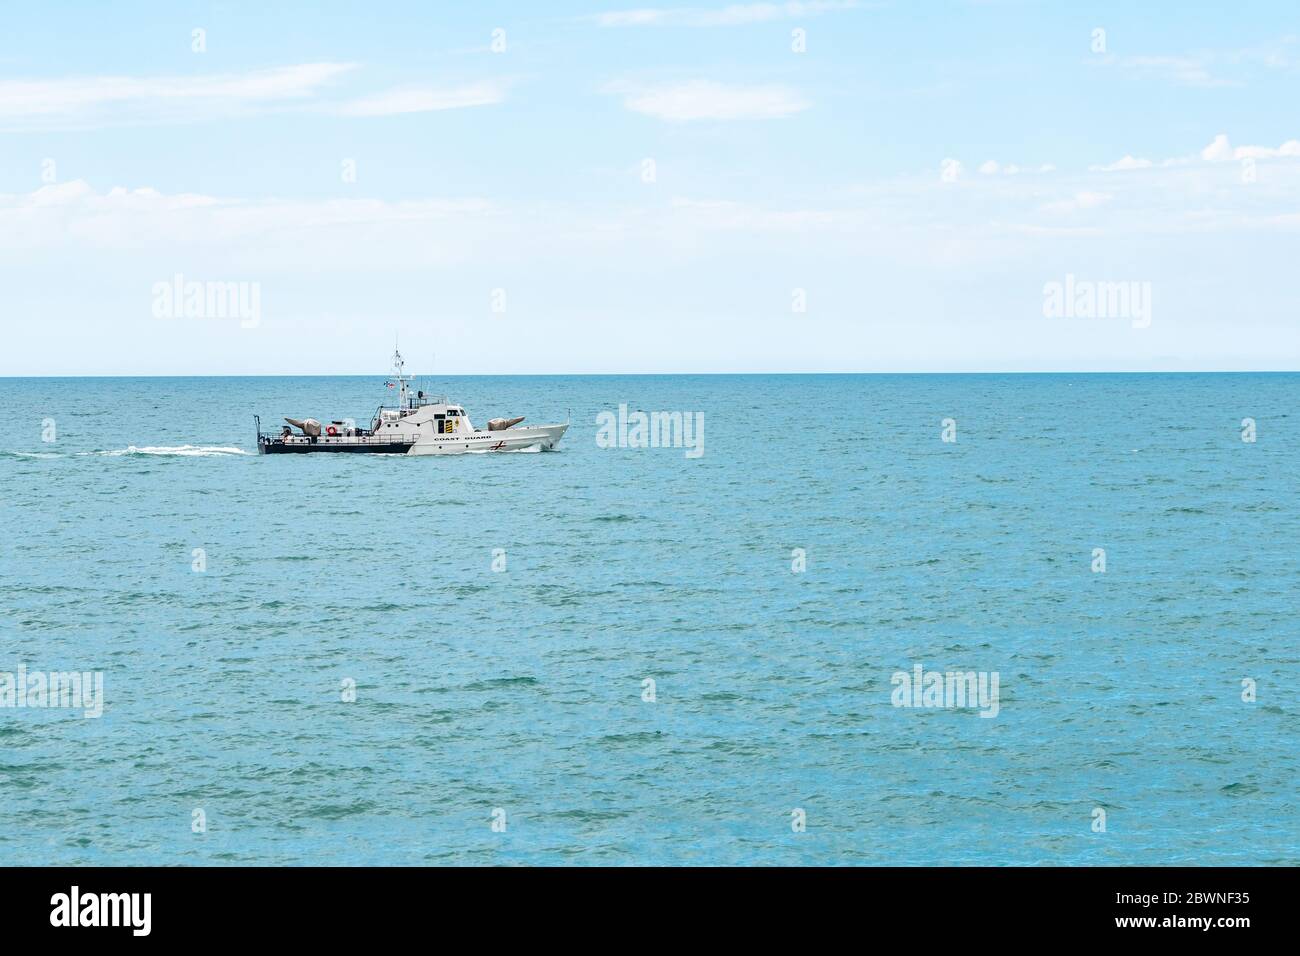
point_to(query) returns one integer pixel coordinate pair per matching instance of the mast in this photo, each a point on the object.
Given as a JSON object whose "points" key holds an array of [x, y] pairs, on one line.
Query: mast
{"points": [[399, 370]]}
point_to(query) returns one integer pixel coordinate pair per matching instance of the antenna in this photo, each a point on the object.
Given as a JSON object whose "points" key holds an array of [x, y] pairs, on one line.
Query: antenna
{"points": [[399, 368]]}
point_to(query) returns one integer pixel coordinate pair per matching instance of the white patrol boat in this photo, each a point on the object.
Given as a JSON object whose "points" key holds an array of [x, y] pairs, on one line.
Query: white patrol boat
{"points": [[420, 425]]}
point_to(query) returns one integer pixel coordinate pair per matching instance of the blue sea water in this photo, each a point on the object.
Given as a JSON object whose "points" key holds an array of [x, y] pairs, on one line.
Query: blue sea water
{"points": [[521, 690]]}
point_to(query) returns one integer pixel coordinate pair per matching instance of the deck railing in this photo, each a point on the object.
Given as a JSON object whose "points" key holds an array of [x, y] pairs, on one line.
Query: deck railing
{"points": [[326, 439]]}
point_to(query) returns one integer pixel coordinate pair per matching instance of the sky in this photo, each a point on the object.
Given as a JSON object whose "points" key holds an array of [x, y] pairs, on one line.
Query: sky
{"points": [[570, 187]]}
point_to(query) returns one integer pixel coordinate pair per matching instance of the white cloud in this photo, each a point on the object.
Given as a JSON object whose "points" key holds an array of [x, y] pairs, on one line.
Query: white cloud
{"points": [[100, 100], [369, 235], [1120, 165], [748, 217], [1217, 150], [1078, 202], [129, 218], [1207, 69], [631, 18], [705, 100], [992, 167], [733, 15], [126, 219], [1291, 148], [1183, 70], [58, 194], [425, 100], [1221, 150]]}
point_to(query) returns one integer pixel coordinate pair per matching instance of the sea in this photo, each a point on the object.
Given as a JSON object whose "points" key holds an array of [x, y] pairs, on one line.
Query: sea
{"points": [[626, 655]]}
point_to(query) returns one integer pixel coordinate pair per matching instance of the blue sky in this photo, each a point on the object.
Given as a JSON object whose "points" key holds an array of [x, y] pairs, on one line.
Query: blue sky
{"points": [[914, 177]]}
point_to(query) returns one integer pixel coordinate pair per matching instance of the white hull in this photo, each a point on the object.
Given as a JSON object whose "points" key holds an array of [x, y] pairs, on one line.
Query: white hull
{"points": [[541, 437]]}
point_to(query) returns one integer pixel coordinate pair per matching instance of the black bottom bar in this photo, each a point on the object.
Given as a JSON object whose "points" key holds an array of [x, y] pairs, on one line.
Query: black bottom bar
{"points": [[977, 907]]}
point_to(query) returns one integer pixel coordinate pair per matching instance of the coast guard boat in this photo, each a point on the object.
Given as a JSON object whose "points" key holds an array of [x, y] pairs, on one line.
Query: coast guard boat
{"points": [[420, 424]]}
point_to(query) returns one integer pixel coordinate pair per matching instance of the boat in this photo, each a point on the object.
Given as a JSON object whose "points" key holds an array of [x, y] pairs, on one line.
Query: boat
{"points": [[420, 424]]}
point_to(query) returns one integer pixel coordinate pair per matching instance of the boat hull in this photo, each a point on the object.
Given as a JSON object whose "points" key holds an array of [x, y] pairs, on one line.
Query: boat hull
{"points": [[542, 437], [275, 447]]}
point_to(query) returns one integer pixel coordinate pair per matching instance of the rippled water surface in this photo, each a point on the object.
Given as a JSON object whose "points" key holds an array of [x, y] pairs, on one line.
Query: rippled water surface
{"points": [[522, 689]]}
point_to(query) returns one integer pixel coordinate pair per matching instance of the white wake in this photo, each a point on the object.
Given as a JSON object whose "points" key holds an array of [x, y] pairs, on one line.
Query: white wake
{"points": [[191, 451]]}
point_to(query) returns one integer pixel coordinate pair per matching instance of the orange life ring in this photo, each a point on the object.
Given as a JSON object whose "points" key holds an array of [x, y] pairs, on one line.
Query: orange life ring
{"points": [[331, 431]]}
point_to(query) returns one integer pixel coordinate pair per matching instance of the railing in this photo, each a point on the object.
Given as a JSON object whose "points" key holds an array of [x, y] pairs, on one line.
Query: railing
{"points": [[330, 440]]}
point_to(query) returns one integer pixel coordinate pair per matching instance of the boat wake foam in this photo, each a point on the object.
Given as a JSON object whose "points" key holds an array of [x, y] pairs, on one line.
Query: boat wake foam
{"points": [[189, 451]]}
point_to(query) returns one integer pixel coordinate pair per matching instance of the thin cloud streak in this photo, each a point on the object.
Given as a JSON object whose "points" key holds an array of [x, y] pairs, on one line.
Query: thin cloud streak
{"points": [[425, 100], [707, 100], [734, 15], [104, 100]]}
